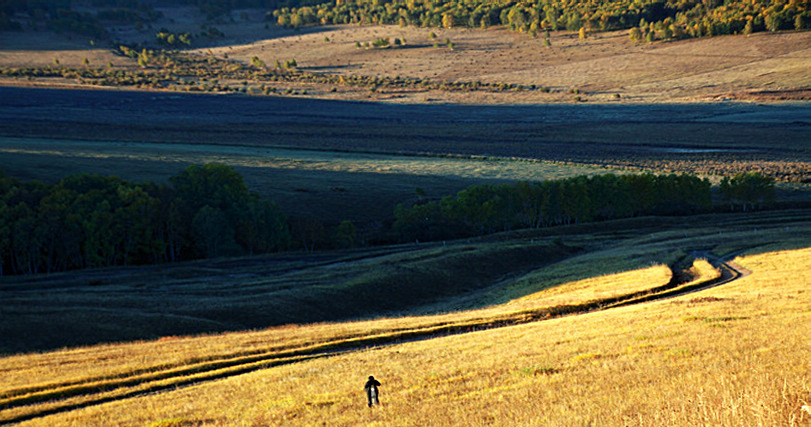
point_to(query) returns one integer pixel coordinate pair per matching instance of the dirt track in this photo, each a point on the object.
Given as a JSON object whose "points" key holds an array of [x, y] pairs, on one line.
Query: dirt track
{"points": [[68, 397]]}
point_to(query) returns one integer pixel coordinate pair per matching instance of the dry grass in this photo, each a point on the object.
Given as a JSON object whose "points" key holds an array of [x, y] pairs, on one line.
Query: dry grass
{"points": [[719, 357], [600, 67], [107, 363], [597, 288]]}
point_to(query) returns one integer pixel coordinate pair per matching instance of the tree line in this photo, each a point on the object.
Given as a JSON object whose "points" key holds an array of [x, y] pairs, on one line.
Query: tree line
{"points": [[651, 19], [489, 208], [87, 221], [747, 191], [645, 19], [61, 15]]}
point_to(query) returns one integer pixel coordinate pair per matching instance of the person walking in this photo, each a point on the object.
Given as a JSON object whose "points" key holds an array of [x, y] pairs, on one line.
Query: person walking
{"points": [[371, 391]]}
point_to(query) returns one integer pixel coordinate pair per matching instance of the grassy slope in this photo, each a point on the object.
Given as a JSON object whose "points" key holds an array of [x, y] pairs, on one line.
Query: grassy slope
{"points": [[105, 305], [726, 347], [601, 66], [127, 304], [721, 357]]}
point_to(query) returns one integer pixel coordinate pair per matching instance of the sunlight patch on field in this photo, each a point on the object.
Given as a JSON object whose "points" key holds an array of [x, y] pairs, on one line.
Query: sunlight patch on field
{"points": [[596, 288], [637, 365], [305, 160]]}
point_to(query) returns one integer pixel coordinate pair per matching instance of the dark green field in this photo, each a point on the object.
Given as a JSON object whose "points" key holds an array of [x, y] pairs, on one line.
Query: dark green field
{"points": [[123, 304], [356, 161], [336, 161]]}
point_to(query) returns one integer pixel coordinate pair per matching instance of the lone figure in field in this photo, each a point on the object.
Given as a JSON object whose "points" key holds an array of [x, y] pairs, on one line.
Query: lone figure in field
{"points": [[371, 391]]}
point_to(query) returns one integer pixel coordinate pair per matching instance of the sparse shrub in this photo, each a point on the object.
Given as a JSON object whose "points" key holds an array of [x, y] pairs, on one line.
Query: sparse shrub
{"points": [[381, 42]]}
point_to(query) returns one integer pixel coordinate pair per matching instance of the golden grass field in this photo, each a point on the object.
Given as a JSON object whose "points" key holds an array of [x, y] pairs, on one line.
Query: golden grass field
{"points": [[734, 354]]}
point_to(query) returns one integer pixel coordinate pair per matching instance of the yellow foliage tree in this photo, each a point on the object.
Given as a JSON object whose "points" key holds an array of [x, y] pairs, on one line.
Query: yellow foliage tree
{"points": [[447, 20]]}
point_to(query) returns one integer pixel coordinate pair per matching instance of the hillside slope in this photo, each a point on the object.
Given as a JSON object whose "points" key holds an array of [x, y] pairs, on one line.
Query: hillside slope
{"points": [[722, 356], [605, 67]]}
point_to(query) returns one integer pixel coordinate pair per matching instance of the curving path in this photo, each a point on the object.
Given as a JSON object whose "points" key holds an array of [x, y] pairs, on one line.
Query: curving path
{"points": [[95, 391]]}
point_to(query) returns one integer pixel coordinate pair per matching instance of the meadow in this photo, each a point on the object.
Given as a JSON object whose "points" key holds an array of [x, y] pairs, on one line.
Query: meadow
{"points": [[506, 66], [721, 355], [654, 320]]}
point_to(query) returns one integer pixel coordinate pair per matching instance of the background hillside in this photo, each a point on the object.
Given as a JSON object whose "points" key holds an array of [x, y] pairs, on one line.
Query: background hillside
{"points": [[651, 19], [104, 46]]}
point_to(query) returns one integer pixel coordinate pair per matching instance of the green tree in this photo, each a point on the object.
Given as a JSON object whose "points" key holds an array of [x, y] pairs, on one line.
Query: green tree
{"points": [[346, 234], [748, 190], [262, 228], [63, 233], [25, 239], [216, 185], [309, 231], [5, 235], [635, 34], [185, 39], [748, 28], [134, 224], [212, 233]]}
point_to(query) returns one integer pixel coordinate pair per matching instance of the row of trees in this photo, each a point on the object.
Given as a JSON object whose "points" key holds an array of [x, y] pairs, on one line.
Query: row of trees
{"points": [[653, 19], [60, 15], [93, 221], [483, 209], [207, 211], [662, 19], [747, 191]]}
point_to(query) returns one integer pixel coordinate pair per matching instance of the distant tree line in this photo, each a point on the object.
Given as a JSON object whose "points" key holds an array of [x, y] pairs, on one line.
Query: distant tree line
{"points": [[59, 15], [646, 19], [93, 221], [483, 209], [747, 191], [652, 19], [87, 221]]}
